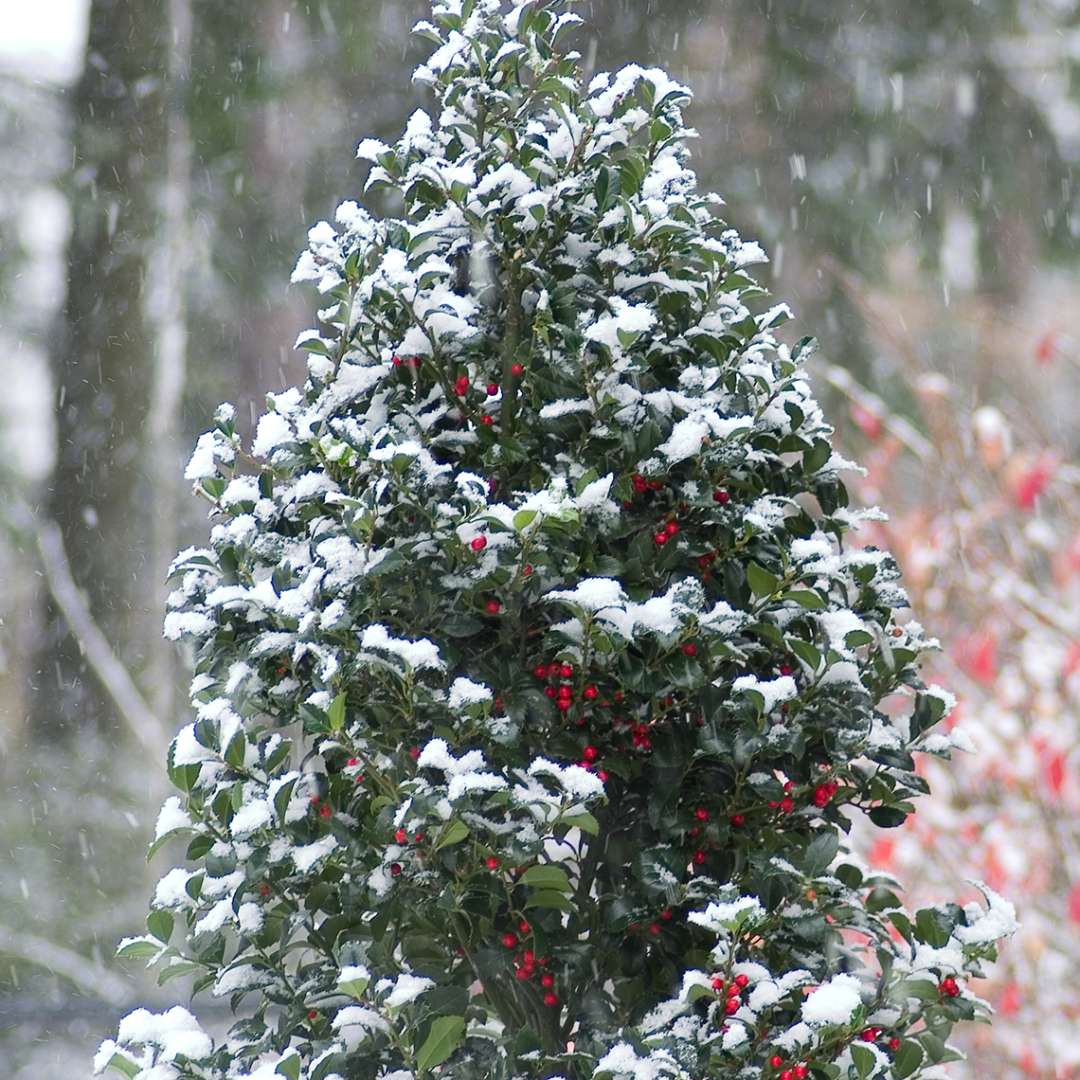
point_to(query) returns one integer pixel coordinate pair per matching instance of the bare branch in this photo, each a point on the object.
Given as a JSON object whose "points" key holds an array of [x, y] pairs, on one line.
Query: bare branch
{"points": [[66, 963], [114, 677]]}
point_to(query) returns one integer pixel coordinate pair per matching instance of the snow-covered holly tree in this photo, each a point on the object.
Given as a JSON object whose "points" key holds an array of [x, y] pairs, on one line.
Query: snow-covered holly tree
{"points": [[535, 686]]}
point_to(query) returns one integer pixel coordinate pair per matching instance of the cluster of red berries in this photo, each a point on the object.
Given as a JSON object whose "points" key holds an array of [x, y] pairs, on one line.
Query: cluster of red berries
{"points": [[352, 763], [412, 361], [666, 532], [639, 736], [402, 837], [794, 1072], [324, 810], [949, 987], [824, 793], [563, 694], [526, 963], [656, 928], [732, 992], [641, 485], [872, 1034], [786, 805]]}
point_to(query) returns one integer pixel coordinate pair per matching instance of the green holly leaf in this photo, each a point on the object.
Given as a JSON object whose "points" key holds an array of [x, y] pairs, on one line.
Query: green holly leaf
{"points": [[443, 1039]]}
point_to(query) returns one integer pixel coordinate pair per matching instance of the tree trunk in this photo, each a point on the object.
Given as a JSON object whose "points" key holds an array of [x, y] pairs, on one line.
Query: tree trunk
{"points": [[103, 351]]}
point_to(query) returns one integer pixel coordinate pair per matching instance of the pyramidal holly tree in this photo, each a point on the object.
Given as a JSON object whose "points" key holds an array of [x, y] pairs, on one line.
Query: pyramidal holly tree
{"points": [[536, 684]]}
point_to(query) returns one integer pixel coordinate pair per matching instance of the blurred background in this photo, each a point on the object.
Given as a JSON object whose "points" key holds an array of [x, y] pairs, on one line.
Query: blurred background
{"points": [[912, 169]]}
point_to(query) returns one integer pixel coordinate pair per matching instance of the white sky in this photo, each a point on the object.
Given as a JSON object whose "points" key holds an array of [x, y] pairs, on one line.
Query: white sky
{"points": [[43, 39]]}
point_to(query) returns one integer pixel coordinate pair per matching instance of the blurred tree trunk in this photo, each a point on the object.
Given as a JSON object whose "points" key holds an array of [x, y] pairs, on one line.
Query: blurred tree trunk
{"points": [[103, 350], [168, 305]]}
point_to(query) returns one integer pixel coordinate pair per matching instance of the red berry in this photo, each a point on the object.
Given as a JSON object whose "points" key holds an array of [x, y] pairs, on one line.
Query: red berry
{"points": [[396, 361], [601, 775], [418, 837], [493, 607], [547, 980], [654, 929], [491, 862], [699, 857], [264, 888], [701, 814], [566, 670], [737, 820], [721, 496], [742, 981], [786, 1075], [395, 869], [462, 385], [786, 669], [801, 1072], [565, 704], [492, 389], [566, 691], [487, 421], [478, 543], [590, 753], [509, 940], [527, 569], [523, 973], [517, 370], [672, 528], [551, 1000], [731, 1006], [401, 837], [661, 538], [869, 1034], [540, 671], [524, 927], [326, 810], [591, 693], [313, 1014], [717, 983], [787, 805], [666, 914], [550, 691], [776, 1061], [894, 1044], [949, 986], [733, 990], [353, 761], [689, 649], [414, 752]]}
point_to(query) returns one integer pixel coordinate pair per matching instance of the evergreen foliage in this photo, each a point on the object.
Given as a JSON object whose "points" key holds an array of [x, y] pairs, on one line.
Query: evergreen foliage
{"points": [[537, 678]]}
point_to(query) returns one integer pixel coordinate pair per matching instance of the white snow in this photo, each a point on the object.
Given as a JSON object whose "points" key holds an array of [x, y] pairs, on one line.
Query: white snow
{"points": [[251, 816], [307, 856], [407, 988], [172, 816], [774, 691], [273, 430], [417, 654], [575, 781], [833, 1002], [625, 318], [464, 692], [173, 1032], [592, 594], [722, 916]]}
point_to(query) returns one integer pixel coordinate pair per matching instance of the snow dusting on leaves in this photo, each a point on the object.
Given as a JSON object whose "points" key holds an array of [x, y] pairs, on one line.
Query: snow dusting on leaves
{"points": [[534, 687]]}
